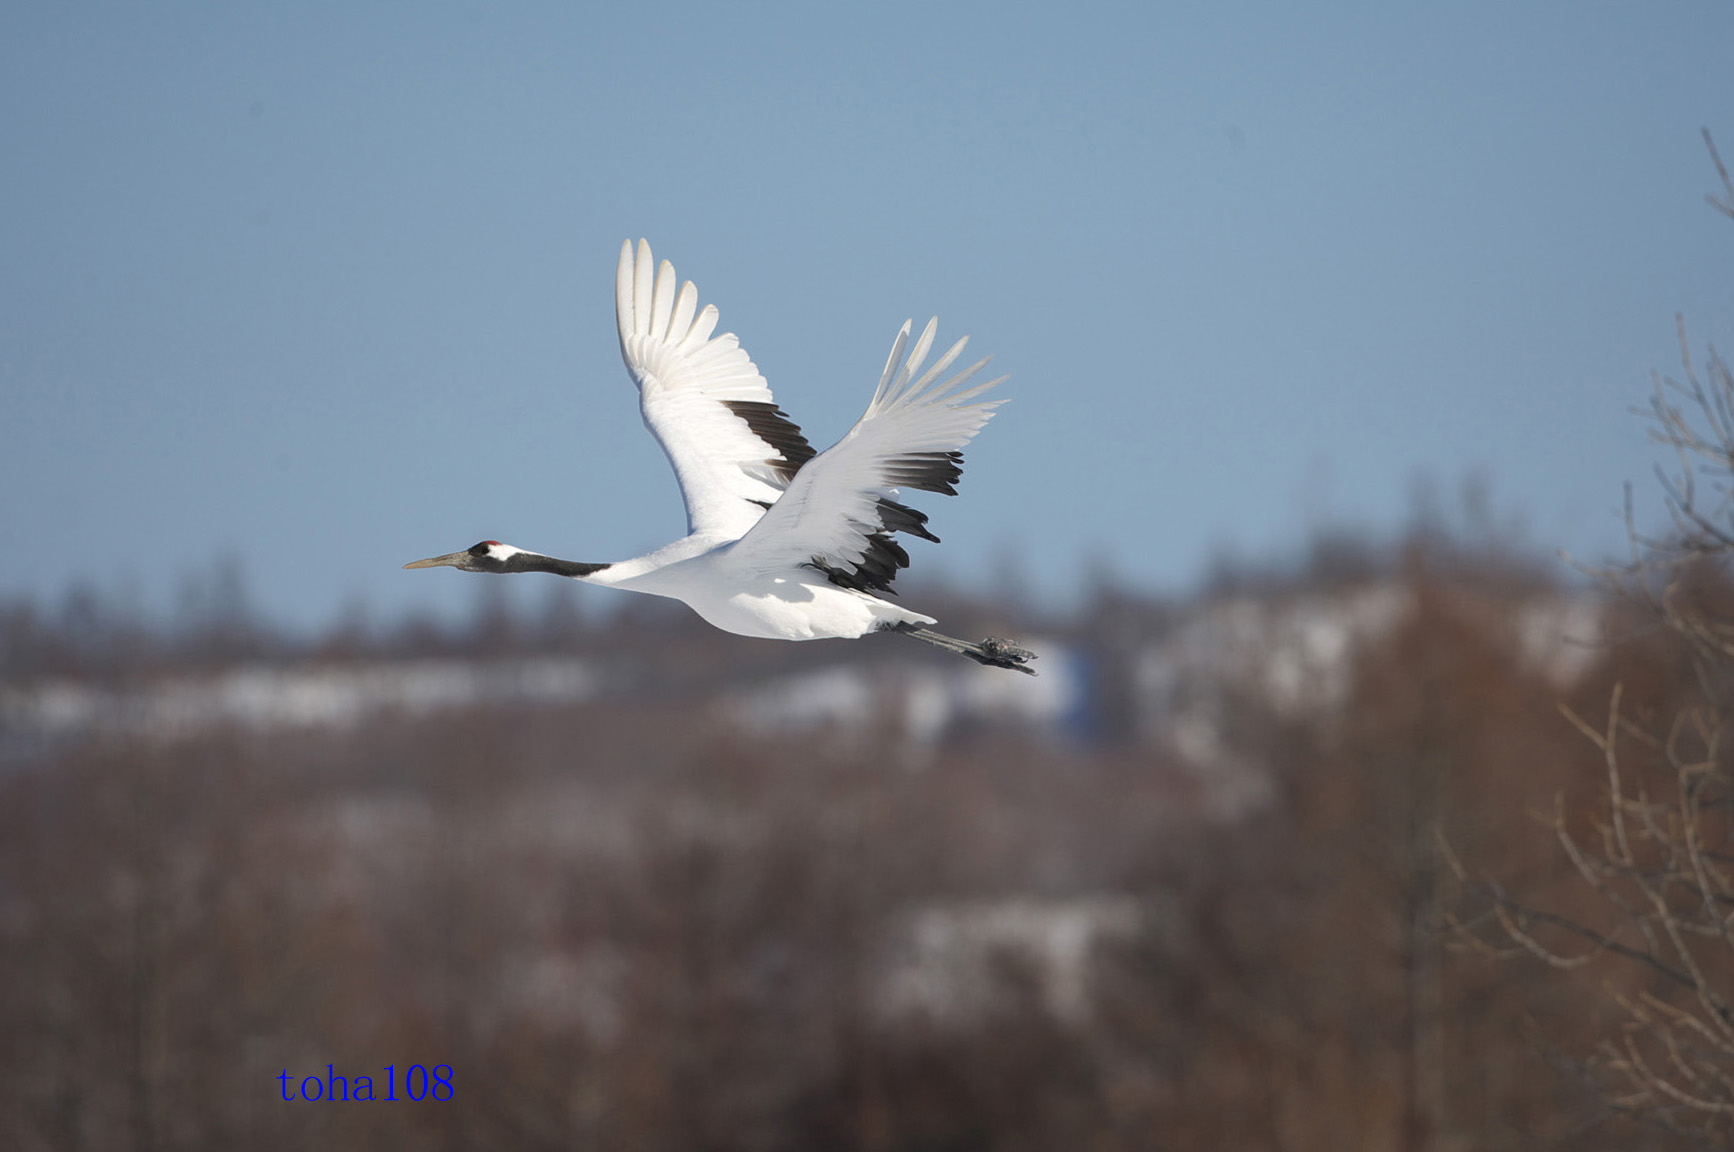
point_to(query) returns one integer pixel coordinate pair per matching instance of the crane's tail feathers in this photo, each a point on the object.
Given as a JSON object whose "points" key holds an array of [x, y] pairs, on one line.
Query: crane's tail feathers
{"points": [[992, 652]]}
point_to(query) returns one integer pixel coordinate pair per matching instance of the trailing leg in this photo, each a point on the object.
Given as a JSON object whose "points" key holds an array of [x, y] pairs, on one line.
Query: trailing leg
{"points": [[993, 652]]}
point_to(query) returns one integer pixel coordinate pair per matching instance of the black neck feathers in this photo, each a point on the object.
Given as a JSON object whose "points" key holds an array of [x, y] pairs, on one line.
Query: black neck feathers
{"points": [[532, 562]]}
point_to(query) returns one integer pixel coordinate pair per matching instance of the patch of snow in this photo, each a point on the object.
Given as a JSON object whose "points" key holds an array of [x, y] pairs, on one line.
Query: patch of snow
{"points": [[263, 698], [942, 958], [922, 703]]}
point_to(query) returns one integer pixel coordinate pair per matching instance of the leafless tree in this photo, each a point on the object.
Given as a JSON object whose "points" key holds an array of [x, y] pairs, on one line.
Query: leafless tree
{"points": [[1650, 928]]}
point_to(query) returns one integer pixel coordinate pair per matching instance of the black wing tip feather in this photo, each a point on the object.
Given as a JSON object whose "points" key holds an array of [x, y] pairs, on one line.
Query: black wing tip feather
{"points": [[772, 425], [874, 572], [902, 518], [883, 557], [928, 471]]}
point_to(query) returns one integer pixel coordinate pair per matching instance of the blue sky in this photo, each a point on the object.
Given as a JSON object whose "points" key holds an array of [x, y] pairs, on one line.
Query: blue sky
{"points": [[328, 287]]}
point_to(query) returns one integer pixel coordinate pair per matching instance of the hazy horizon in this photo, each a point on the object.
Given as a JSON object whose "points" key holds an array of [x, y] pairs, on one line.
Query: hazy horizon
{"points": [[326, 289]]}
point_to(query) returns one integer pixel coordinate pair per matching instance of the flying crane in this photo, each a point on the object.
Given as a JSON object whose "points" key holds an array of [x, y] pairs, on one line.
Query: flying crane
{"points": [[782, 542]]}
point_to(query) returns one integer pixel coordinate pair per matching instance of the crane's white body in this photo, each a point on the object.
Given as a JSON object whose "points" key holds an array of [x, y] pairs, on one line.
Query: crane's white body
{"points": [[783, 543], [800, 604]]}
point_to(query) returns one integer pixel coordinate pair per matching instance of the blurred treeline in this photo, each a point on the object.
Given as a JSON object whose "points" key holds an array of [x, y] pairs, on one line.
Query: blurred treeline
{"points": [[634, 921]]}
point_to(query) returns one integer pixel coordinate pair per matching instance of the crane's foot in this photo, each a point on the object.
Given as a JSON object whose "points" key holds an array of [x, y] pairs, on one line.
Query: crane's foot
{"points": [[1002, 654]]}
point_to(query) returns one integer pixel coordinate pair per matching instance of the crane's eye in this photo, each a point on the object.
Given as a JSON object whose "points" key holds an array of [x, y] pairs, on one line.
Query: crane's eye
{"points": [[482, 548]]}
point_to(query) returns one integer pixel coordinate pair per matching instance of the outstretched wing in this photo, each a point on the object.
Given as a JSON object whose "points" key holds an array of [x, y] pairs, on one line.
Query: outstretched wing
{"points": [[733, 450], [843, 505]]}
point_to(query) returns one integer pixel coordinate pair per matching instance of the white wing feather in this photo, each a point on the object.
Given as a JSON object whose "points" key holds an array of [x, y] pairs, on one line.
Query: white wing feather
{"points": [[727, 467], [911, 436]]}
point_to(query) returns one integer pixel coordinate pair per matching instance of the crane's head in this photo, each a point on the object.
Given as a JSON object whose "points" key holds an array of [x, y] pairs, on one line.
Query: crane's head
{"points": [[493, 556], [488, 556]]}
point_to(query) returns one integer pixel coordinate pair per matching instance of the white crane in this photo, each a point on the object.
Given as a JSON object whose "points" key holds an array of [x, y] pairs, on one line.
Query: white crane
{"points": [[782, 543]]}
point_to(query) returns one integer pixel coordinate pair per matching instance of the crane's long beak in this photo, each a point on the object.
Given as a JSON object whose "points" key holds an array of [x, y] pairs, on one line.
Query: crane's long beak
{"points": [[451, 560]]}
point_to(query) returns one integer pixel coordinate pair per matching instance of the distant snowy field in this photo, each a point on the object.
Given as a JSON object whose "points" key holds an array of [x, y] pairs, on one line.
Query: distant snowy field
{"points": [[1294, 653]]}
